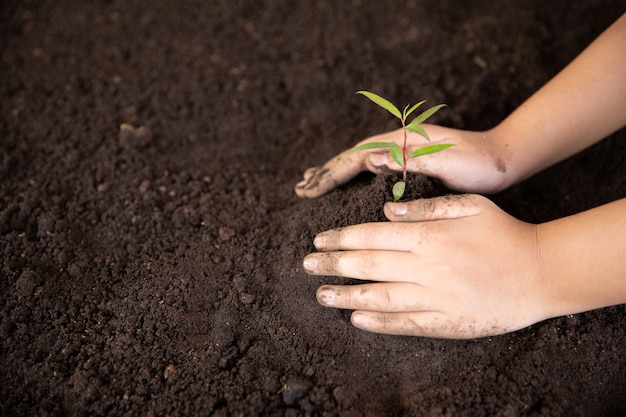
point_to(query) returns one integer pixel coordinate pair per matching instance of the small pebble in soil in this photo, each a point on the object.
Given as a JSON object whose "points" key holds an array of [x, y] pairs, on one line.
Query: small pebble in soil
{"points": [[169, 372]]}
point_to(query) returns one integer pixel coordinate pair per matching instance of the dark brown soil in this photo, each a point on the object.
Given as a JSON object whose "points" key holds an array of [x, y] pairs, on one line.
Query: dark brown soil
{"points": [[152, 243]]}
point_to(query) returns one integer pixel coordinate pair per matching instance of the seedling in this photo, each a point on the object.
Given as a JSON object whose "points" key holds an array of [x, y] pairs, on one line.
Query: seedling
{"points": [[400, 154]]}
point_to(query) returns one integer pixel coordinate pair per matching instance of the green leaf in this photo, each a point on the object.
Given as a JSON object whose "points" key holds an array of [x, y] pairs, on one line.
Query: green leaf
{"points": [[408, 113], [396, 154], [404, 112], [430, 149], [426, 114], [398, 190], [418, 129], [384, 103], [373, 145]]}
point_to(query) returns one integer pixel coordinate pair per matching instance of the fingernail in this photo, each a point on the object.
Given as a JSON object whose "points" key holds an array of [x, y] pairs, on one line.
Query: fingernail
{"points": [[320, 240], [303, 185], [326, 296], [378, 159], [399, 209], [360, 319], [310, 263]]}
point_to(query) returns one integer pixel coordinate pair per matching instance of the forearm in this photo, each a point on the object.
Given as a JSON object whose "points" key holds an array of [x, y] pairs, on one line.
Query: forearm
{"points": [[584, 259], [584, 103]]}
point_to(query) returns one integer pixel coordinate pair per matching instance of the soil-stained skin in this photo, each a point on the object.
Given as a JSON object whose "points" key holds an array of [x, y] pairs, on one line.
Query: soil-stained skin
{"points": [[318, 176]]}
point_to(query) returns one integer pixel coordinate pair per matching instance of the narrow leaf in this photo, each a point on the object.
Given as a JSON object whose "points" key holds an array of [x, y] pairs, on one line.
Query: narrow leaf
{"points": [[426, 114], [417, 129], [430, 149], [373, 145], [398, 190], [396, 154], [404, 112], [407, 114], [384, 103]]}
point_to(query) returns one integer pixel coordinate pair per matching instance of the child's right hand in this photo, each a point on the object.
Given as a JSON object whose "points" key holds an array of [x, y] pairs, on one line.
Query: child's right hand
{"points": [[476, 164], [581, 105]]}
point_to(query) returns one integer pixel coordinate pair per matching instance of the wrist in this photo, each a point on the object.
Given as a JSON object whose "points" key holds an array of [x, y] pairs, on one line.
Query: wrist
{"points": [[581, 260], [500, 150]]}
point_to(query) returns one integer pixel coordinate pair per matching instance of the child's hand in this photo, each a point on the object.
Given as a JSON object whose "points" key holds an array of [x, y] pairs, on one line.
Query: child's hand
{"points": [[451, 267], [476, 164]]}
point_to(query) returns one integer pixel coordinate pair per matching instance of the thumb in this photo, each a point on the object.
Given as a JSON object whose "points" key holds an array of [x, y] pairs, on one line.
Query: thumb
{"points": [[381, 162], [438, 208]]}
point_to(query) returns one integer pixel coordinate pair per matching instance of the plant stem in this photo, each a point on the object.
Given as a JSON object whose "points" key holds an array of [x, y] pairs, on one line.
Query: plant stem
{"points": [[405, 157]]}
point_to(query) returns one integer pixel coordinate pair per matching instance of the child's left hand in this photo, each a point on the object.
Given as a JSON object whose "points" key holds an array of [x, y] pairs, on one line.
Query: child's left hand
{"points": [[450, 267]]}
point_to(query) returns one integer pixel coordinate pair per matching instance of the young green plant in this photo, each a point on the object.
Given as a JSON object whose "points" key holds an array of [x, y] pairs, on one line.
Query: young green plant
{"points": [[400, 153]]}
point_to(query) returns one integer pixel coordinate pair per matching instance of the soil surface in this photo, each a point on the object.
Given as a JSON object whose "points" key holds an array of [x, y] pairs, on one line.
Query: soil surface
{"points": [[152, 243]]}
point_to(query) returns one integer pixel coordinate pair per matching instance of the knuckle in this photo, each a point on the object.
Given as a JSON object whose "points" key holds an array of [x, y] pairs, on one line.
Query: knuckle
{"points": [[413, 326], [364, 235], [365, 265], [328, 263], [346, 297], [386, 321], [330, 239], [423, 209], [384, 298], [428, 208]]}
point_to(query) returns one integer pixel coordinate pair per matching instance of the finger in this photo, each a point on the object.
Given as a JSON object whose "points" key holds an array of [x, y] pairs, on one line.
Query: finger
{"points": [[318, 181], [381, 297], [314, 184], [427, 323], [362, 264], [372, 236], [381, 162], [438, 208], [433, 164], [310, 172]]}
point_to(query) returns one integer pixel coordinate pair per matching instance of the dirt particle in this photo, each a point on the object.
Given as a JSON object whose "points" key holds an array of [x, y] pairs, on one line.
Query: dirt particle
{"points": [[144, 186], [103, 187], [134, 137], [500, 165], [344, 397], [260, 277], [226, 233], [26, 283], [270, 384], [239, 282], [45, 225], [295, 389], [246, 298], [169, 371]]}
